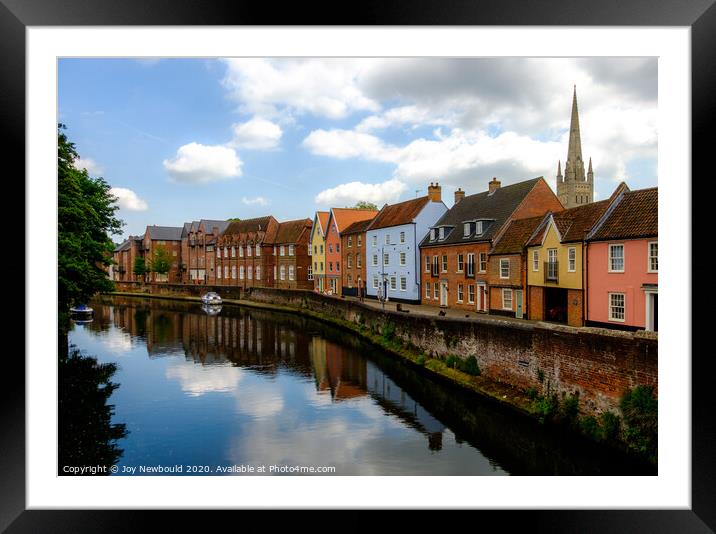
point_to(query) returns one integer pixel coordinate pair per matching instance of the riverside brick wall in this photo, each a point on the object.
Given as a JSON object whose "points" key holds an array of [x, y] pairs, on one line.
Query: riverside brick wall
{"points": [[599, 364], [228, 292]]}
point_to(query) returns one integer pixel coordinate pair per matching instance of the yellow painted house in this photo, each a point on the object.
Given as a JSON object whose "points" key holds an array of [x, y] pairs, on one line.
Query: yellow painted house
{"points": [[555, 261], [318, 250]]}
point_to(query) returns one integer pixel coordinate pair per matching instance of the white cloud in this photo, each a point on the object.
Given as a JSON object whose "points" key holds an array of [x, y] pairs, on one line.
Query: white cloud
{"points": [[90, 165], [344, 144], [128, 199], [196, 381], [350, 193], [323, 87], [256, 134], [198, 164], [261, 201]]}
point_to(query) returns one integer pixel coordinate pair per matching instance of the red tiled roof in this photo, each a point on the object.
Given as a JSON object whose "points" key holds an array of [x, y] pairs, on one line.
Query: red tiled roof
{"points": [[290, 231], [516, 235], [323, 219], [357, 227], [400, 213], [574, 223], [636, 215]]}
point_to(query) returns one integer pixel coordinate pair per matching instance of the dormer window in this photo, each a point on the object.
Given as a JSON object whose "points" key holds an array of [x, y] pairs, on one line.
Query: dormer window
{"points": [[478, 227], [432, 234], [466, 229], [442, 232]]}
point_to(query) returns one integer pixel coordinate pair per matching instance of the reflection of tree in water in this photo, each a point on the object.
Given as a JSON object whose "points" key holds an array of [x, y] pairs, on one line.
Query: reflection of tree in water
{"points": [[162, 326], [86, 435], [140, 321]]}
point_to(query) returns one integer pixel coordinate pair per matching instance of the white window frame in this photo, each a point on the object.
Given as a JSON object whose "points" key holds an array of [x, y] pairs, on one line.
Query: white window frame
{"points": [[282, 272], [282, 251], [471, 294], [466, 230], [241, 272], [350, 241], [248, 251], [258, 272], [226, 272], [375, 260], [250, 273], [460, 292], [218, 273], [427, 290], [480, 265], [432, 234], [359, 240], [309, 273], [387, 239], [504, 261], [258, 251], [375, 282], [386, 258], [349, 261], [649, 257], [402, 258], [535, 261], [291, 274], [359, 261], [375, 240], [505, 292], [609, 304], [402, 237], [442, 233], [572, 262], [403, 283], [460, 263], [623, 258], [444, 263], [471, 264], [427, 264], [436, 291]]}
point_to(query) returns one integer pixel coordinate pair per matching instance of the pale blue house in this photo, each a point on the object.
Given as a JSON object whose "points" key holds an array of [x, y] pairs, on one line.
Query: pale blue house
{"points": [[392, 254]]}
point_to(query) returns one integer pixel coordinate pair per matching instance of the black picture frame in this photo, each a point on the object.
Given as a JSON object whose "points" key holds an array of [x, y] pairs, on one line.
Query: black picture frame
{"points": [[699, 15]]}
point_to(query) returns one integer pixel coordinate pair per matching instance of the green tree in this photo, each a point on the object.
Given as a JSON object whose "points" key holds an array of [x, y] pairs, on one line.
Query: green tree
{"points": [[161, 262], [365, 205], [140, 267], [86, 218]]}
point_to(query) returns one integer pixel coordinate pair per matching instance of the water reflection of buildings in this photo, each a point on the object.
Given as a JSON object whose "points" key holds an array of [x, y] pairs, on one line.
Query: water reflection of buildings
{"points": [[346, 374]]}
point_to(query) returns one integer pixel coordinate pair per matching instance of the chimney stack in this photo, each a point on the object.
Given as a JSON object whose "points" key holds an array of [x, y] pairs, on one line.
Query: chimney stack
{"points": [[434, 192], [459, 195], [494, 185]]}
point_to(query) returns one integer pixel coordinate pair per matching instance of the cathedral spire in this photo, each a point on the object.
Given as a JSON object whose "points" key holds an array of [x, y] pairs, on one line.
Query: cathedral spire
{"points": [[574, 154], [576, 188]]}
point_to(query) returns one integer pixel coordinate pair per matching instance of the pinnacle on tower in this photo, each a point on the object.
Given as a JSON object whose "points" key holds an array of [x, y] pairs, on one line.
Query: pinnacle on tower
{"points": [[559, 170]]}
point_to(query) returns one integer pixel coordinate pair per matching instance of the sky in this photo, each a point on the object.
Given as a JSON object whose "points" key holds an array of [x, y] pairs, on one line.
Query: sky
{"points": [[185, 139]]}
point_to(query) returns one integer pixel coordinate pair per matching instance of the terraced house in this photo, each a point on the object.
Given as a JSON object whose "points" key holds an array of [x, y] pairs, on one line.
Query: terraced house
{"points": [[291, 252], [392, 253], [338, 220], [198, 245], [454, 254], [167, 238], [318, 250], [353, 259], [623, 264], [244, 253], [555, 256]]}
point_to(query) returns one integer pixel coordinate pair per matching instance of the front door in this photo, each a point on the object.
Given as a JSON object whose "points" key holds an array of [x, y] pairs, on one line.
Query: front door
{"points": [[518, 304], [443, 293], [481, 297]]}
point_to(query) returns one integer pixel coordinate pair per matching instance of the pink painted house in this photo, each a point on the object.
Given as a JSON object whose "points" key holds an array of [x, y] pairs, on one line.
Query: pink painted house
{"points": [[623, 265]]}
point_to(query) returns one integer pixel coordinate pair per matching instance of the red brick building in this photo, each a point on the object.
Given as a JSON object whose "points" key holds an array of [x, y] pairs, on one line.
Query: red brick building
{"points": [[338, 220], [454, 254], [198, 254], [124, 257], [244, 253], [169, 239], [293, 263], [353, 258]]}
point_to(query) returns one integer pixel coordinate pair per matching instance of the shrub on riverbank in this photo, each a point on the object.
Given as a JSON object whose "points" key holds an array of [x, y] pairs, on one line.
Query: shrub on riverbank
{"points": [[640, 409]]}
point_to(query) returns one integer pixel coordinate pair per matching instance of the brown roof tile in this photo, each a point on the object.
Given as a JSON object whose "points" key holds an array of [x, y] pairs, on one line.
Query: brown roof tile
{"points": [[574, 223], [400, 213], [346, 216], [290, 231], [636, 215], [357, 227], [515, 236], [323, 219]]}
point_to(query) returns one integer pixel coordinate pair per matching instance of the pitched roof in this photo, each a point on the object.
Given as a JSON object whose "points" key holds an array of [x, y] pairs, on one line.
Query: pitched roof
{"points": [[124, 245], [165, 233], [344, 217], [323, 221], [574, 223], [209, 225], [357, 227], [290, 231], [636, 215], [400, 213], [517, 233], [248, 225], [497, 207]]}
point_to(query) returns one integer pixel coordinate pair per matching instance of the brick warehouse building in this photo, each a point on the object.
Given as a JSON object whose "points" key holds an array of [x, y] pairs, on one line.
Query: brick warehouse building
{"points": [[353, 259], [338, 220], [168, 238], [124, 256], [244, 253], [198, 240], [292, 268], [454, 254], [506, 266]]}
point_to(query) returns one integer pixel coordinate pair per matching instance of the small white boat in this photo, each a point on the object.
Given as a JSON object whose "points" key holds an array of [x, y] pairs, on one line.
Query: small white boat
{"points": [[81, 311], [211, 298], [211, 309]]}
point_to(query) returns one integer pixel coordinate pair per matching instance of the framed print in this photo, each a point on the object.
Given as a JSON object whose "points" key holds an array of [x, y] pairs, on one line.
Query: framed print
{"points": [[300, 144]]}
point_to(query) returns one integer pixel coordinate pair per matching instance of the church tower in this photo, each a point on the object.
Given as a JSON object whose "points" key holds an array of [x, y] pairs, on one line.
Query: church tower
{"points": [[575, 188]]}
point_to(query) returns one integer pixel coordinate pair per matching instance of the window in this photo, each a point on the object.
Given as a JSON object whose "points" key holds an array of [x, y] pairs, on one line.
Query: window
{"points": [[460, 292], [218, 273], [258, 251], [248, 250], [466, 230], [359, 260], [321, 249], [226, 252], [338, 266], [653, 257], [330, 266], [375, 282], [251, 273], [350, 281], [427, 264], [387, 239], [616, 307], [274, 272], [258, 272], [241, 272], [375, 240], [471, 264], [436, 291], [402, 258], [386, 259], [616, 258], [478, 228], [290, 272], [315, 250], [375, 259], [471, 294], [330, 249], [402, 237], [483, 262], [210, 248], [241, 251], [338, 247], [233, 272], [504, 268], [309, 273], [282, 250], [442, 232], [444, 263], [174, 252], [218, 252], [436, 265], [274, 250], [315, 265], [233, 251], [350, 261], [506, 299], [460, 263], [282, 270], [571, 259], [535, 260], [393, 286], [360, 240], [427, 290], [321, 266], [309, 250], [350, 241], [403, 283], [432, 234], [226, 271]]}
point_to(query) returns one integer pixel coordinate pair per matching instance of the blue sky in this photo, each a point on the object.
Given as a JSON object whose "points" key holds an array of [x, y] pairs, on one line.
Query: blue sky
{"points": [[184, 139]]}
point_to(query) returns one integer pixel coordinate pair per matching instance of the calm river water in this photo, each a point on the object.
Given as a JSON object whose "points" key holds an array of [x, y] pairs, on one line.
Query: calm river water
{"points": [[247, 388]]}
